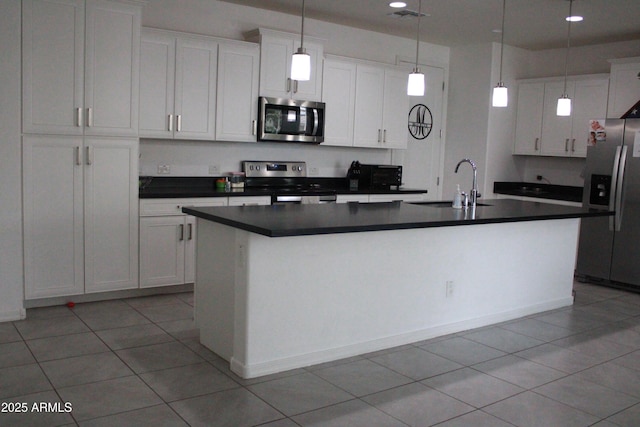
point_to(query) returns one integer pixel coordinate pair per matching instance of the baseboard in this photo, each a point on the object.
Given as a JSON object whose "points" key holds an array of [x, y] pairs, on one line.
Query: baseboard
{"points": [[12, 315], [328, 355]]}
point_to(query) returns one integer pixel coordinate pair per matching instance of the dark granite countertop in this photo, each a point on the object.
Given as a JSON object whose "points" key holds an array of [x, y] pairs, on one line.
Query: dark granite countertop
{"points": [[299, 220], [540, 191], [176, 187]]}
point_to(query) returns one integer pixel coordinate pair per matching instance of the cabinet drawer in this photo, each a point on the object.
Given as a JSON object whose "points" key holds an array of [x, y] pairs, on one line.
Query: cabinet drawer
{"points": [[249, 200], [155, 207]]}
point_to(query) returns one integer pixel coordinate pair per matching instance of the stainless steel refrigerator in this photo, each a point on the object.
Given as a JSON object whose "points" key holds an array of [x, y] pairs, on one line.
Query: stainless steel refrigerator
{"points": [[609, 247]]}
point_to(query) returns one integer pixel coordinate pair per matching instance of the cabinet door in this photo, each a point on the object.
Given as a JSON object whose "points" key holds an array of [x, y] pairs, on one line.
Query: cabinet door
{"points": [[238, 75], [310, 90], [275, 66], [529, 118], [624, 88], [112, 67], [195, 96], [368, 106], [111, 214], [162, 250], [53, 218], [157, 71], [339, 92], [556, 130], [395, 110], [590, 102], [52, 66]]}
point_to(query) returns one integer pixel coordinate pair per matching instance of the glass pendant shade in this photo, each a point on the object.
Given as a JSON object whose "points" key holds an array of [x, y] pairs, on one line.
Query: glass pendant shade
{"points": [[564, 106], [301, 65], [415, 84], [500, 96]]}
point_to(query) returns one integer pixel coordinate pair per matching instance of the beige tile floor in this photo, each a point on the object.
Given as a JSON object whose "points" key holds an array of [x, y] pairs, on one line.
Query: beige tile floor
{"points": [[138, 362]]}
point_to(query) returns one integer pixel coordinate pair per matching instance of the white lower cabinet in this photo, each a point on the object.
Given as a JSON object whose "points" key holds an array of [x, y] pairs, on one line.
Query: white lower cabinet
{"points": [[168, 237], [352, 198], [167, 249], [413, 197], [80, 215]]}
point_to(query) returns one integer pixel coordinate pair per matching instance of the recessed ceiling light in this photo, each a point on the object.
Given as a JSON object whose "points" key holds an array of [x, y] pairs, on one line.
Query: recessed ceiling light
{"points": [[575, 18], [398, 4]]}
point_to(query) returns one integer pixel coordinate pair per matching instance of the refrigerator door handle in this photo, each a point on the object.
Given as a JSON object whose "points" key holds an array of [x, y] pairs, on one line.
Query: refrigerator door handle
{"points": [[614, 184], [619, 184]]}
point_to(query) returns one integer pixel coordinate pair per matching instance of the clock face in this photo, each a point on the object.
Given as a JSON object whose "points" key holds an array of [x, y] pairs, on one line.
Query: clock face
{"points": [[420, 121]]}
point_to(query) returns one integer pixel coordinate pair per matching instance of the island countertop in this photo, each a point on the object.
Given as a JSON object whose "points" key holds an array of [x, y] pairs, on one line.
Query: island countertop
{"points": [[300, 220]]}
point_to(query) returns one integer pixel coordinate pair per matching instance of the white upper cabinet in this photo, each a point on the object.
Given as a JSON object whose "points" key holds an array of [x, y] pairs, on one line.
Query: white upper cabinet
{"points": [[529, 118], [624, 87], [237, 99], [540, 131], [338, 93], [381, 107], [178, 86], [556, 130], [590, 103], [276, 49], [80, 67]]}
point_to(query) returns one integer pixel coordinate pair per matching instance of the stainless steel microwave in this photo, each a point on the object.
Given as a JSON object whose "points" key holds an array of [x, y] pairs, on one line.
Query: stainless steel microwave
{"points": [[290, 120]]}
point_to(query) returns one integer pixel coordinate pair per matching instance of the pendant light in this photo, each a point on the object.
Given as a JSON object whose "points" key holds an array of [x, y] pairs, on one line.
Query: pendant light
{"points": [[564, 102], [301, 61], [500, 95], [415, 84]]}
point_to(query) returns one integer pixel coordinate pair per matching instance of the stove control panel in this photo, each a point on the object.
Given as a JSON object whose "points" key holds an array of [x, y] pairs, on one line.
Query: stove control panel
{"points": [[268, 169]]}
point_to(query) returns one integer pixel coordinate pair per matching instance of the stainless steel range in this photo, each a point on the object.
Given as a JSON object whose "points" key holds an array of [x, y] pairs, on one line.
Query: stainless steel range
{"points": [[287, 181]]}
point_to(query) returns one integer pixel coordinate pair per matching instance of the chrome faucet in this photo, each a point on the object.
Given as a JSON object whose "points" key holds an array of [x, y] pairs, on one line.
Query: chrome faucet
{"points": [[474, 190]]}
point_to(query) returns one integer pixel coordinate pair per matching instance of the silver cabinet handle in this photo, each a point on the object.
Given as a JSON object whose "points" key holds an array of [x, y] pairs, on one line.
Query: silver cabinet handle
{"points": [[566, 145], [89, 156], [288, 84], [384, 136], [573, 145], [170, 123], [535, 146], [379, 135], [190, 231], [254, 127], [78, 156], [79, 117], [89, 117], [181, 233], [179, 123], [295, 86]]}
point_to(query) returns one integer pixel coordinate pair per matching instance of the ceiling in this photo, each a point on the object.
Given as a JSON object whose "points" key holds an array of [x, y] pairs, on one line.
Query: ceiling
{"points": [[529, 24]]}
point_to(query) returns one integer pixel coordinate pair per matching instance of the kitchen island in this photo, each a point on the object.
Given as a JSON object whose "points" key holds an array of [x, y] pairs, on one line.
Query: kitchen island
{"points": [[286, 286]]}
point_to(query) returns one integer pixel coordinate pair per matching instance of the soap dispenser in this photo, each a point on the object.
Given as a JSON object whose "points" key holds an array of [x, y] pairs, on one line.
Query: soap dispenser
{"points": [[457, 199]]}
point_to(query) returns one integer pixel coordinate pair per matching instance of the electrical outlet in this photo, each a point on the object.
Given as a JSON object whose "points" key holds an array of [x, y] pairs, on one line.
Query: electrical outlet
{"points": [[164, 169], [539, 177], [214, 169], [449, 288]]}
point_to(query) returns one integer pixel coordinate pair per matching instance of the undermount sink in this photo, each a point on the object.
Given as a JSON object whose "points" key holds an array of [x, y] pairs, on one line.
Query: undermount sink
{"points": [[442, 204]]}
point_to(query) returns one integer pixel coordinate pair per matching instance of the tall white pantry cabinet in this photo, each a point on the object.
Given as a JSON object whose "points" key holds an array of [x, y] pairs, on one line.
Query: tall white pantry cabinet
{"points": [[80, 146]]}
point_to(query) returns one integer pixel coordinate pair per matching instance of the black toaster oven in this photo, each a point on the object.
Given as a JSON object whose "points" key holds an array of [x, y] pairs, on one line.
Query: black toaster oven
{"points": [[380, 176]]}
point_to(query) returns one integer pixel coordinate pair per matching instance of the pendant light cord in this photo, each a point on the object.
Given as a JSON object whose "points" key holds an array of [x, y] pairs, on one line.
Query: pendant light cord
{"points": [[302, 29], [504, 8], [418, 33], [566, 62]]}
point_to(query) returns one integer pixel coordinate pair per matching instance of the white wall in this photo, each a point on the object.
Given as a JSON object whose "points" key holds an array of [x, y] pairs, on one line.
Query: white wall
{"points": [[11, 277], [467, 115], [501, 165], [485, 134], [220, 19]]}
